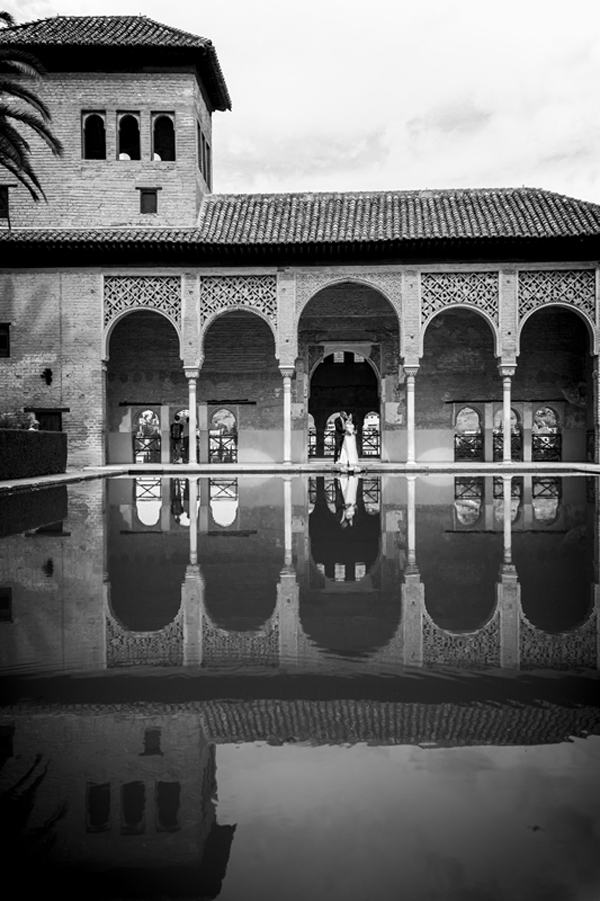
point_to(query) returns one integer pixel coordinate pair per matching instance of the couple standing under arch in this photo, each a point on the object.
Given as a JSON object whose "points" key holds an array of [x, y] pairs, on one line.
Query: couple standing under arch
{"points": [[346, 451]]}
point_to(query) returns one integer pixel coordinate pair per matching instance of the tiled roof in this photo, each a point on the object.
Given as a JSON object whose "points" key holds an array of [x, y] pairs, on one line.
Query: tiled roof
{"points": [[391, 222], [395, 216], [113, 31]]}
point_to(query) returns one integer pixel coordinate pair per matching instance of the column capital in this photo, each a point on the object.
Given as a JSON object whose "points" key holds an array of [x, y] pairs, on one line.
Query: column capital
{"points": [[191, 373], [410, 370], [507, 370], [287, 371]]}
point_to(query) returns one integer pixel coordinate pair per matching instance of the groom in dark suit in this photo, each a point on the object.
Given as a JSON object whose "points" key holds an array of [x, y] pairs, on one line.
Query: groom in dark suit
{"points": [[340, 431]]}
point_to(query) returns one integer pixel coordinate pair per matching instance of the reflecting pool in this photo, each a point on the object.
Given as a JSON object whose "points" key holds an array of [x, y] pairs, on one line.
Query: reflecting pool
{"points": [[304, 687]]}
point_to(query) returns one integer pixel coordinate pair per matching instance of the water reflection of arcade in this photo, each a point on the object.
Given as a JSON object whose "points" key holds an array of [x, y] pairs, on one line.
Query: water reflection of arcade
{"points": [[508, 586]]}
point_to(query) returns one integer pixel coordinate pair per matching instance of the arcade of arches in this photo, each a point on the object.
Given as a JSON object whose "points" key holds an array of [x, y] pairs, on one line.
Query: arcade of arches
{"points": [[348, 358]]}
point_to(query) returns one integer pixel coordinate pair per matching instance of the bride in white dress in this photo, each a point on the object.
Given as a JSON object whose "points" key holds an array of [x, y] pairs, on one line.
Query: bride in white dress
{"points": [[349, 455]]}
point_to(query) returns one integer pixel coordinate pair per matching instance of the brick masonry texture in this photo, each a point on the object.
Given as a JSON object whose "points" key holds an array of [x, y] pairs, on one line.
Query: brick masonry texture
{"points": [[83, 193]]}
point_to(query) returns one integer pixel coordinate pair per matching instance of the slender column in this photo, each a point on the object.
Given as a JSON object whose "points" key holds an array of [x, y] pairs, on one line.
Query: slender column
{"points": [[192, 377], [410, 372], [288, 591], [287, 373], [413, 592], [507, 373]]}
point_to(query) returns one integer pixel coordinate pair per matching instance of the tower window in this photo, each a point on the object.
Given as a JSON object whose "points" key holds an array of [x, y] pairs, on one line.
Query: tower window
{"points": [[129, 137], [204, 157], [98, 807], [148, 200], [4, 202], [133, 803], [4, 339], [163, 138], [94, 136], [167, 806]]}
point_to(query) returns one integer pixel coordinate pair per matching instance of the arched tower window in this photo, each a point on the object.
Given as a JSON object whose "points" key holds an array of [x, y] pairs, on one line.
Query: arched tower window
{"points": [[163, 138], [129, 137], [94, 137]]}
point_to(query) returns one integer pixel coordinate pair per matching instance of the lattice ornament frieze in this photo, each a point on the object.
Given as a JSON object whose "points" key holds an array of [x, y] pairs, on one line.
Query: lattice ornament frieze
{"points": [[252, 292], [576, 287], [440, 290], [564, 651], [223, 648], [142, 292], [474, 649], [161, 648]]}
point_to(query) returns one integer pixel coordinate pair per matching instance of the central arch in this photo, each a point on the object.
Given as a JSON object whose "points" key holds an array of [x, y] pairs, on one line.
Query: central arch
{"points": [[349, 345]]}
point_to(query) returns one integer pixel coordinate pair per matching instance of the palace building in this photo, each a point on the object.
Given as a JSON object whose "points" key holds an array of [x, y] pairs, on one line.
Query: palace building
{"points": [[455, 324]]}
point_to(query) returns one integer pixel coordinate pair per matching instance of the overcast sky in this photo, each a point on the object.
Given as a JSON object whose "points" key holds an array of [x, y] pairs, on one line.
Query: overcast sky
{"points": [[341, 95]]}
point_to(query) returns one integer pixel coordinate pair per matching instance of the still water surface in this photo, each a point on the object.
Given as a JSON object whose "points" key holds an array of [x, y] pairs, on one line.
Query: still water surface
{"points": [[302, 688]]}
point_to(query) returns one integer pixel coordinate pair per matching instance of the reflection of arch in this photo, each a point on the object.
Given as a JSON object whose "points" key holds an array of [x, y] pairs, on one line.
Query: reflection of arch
{"points": [[148, 500], [241, 598], [468, 434], [470, 309], [160, 647]]}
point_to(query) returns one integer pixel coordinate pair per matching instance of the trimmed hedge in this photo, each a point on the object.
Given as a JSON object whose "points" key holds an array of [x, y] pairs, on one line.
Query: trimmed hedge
{"points": [[25, 453]]}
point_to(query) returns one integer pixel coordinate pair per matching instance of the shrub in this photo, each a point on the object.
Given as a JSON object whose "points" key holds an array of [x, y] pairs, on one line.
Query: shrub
{"points": [[25, 453], [15, 420]]}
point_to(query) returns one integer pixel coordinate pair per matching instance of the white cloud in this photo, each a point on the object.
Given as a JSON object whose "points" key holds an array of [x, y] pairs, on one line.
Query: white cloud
{"points": [[333, 95]]}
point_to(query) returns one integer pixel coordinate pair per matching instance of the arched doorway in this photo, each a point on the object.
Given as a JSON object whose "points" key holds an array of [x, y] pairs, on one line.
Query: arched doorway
{"points": [[554, 379], [144, 373], [240, 391], [348, 346]]}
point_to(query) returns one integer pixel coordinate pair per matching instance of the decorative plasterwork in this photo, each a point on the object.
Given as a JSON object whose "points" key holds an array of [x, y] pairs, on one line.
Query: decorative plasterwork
{"points": [[574, 287], [219, 646], [481, 648], [563, 651], [389, 284], [219, 293], [161, 648], [125, 293], [441, 290]]}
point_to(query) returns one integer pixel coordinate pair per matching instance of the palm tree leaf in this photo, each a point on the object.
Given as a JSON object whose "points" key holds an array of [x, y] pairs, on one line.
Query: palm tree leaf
{"points": [[27, 177], [36, 124], [14, 89]]}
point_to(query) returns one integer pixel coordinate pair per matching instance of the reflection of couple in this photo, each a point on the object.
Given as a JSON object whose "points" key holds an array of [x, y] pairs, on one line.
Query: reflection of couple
{"points": [[349, 488], [346, 453]]}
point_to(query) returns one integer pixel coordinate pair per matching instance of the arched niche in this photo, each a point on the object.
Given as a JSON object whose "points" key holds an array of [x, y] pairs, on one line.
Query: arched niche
{"points": [[143, 368], [458, 368], [555, 371], [468, 434]]}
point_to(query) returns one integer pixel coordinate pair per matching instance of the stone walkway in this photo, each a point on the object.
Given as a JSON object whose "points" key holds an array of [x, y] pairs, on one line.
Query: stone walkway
{"points": [[317, 467]]}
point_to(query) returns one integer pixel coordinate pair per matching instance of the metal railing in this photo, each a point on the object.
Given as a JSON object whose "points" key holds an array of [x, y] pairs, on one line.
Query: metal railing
{"points": [[222, 448], [546, 448], [146, 449], [468, 447]]}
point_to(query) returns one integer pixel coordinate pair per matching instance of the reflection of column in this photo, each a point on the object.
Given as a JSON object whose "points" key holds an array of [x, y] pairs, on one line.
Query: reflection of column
{"points": [[192, 599], [413, 593], [287, 514], [410, 372], [192, 376], [507, 373], [104, 413], [508, 592], [288, 594], [287, 372], [193, 493]]}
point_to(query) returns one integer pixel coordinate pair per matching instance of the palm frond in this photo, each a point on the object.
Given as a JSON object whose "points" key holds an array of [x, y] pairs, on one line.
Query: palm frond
{"points": [[13, 89], [35, 123]]}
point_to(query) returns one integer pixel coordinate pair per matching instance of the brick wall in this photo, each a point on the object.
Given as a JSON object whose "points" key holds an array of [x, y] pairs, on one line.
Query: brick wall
{"points": [[103, 192], [56, 324]]}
